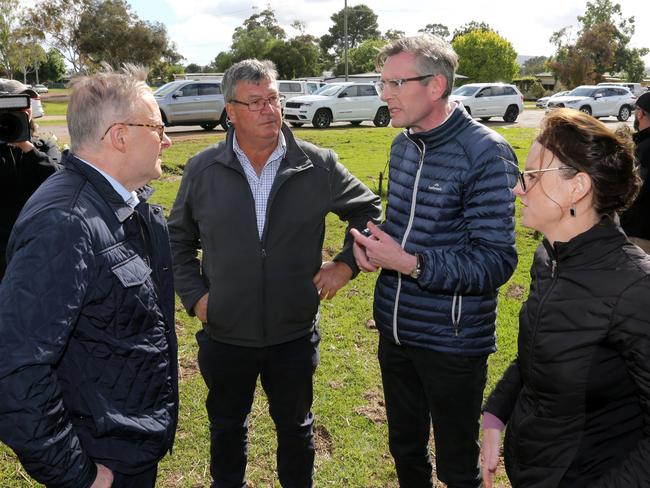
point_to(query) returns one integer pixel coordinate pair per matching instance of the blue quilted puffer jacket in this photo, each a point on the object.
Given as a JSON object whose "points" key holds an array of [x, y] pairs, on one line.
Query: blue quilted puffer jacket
{"points": [[449, 199]]}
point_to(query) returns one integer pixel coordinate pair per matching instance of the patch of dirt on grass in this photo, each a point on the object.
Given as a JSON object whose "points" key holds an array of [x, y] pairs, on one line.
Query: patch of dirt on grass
{"points": [[515, 291], [187, 366], [323, 441], [375, 410]]}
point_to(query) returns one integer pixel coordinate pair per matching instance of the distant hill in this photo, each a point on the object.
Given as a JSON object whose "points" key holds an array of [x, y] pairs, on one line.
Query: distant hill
{"points": [[522, 58]]}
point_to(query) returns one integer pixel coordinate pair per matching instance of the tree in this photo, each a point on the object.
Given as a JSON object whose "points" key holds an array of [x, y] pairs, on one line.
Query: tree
{"points": [[109, 32], [602, 46], [362, 25], [485, 56], [8, 18], [27, 55], [53, 68], [534, 65], [362, 59], [392, 34], [438, 30], [469, 27], [56, 22]]}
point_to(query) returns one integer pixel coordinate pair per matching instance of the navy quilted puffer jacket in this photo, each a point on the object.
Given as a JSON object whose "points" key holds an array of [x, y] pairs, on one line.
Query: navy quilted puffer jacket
{"points": [[88, 371], [449, 199]]}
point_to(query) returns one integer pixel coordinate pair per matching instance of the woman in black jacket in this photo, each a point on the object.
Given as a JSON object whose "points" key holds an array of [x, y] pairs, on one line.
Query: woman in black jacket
{"points": [[576, 400]]}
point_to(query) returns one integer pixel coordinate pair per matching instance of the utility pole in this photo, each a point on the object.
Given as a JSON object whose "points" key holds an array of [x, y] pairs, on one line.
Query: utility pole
{"points": [[345, 35]]}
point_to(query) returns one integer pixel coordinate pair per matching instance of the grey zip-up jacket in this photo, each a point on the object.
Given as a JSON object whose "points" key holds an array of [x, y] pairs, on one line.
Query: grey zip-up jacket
{"points": [[261, 291]]}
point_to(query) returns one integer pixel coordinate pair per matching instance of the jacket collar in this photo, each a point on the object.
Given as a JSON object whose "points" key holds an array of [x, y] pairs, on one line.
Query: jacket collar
{"points": [[295, 158], [641, 135], [603, 238], [112, 199], [449, 129]]}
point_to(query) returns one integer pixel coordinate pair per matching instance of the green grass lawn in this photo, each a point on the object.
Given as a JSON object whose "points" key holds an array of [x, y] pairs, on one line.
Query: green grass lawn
{"points": [[54, 107], [352, 447]]}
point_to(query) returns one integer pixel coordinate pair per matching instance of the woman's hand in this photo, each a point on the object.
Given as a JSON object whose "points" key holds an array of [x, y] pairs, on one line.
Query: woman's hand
{"points": [[490, 455]]}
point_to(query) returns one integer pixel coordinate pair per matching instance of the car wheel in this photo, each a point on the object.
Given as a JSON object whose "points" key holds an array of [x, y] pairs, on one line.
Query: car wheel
{"points": [[296, 124], [382, 118], [485, 119], [355, 123], [512, 112], [586, 109], [224, 121], [322, 118], [624, 113], [209, 125]]}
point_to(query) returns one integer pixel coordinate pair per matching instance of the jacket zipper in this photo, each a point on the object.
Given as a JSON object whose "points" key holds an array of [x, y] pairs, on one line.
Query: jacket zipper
{"points": [[407, 232]]}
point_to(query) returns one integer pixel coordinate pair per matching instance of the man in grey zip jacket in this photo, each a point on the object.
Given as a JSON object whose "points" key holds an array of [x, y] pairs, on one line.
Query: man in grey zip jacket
{"points": [[256, 206], [446, 246]]}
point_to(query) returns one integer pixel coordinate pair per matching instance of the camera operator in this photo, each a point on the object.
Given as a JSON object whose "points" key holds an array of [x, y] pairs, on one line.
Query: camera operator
{"points": [[24, 165]]}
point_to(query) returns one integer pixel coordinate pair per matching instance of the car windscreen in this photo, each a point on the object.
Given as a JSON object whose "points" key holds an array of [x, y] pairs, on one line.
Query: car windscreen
{"points": [[165, 89], [582, 92], [466, 91], [330, 90]]}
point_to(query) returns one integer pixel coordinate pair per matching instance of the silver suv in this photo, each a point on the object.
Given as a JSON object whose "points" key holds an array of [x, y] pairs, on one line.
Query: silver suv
{"points": [[188, 102], [599, 101]]}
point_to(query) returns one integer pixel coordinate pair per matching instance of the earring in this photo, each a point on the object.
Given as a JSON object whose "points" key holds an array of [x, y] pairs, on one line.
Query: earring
{"points": [[572, 210]]}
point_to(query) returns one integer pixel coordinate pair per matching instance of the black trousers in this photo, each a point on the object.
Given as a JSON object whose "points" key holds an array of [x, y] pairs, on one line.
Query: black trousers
{"points": [[286, 373], [146, 479], [424, 387]]}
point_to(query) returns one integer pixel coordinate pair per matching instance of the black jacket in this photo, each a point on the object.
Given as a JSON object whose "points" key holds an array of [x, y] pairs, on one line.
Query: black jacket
{"points": [[20, 176], [89, 371], [636, 220], [577, 398], [261, 291]]}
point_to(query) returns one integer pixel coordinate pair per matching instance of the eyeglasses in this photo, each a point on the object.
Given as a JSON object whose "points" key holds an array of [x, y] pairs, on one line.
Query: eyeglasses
{"points": [[396, 84], [527, 178], [159, 128], [259, 103]]}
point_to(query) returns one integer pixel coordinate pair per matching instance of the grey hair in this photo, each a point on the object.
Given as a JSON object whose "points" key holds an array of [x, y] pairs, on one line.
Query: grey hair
{"points": [[433, 55], [252, 70], [101, 99]]}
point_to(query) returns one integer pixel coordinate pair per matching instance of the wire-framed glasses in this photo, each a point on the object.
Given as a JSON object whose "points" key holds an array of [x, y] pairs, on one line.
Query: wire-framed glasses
{"points": [[159, 128], [397, 83]]}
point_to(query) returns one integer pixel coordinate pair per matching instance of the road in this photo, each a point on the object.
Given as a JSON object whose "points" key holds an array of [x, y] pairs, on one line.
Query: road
{"points": [[529, 118]]}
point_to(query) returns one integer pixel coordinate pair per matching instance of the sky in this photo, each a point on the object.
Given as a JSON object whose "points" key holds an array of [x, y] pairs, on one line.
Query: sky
{"points": [[203, 28]]}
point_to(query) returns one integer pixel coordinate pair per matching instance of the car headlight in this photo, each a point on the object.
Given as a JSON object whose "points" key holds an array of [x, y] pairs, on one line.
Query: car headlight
{"points": [[308, 104]]}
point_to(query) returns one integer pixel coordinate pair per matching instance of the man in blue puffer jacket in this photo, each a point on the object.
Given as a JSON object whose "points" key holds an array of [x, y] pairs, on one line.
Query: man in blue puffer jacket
{"points": [[88, 376], [446, 246]]}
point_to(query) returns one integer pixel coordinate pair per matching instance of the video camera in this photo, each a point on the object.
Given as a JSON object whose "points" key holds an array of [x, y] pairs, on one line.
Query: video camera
{"points": [[14, 121]]}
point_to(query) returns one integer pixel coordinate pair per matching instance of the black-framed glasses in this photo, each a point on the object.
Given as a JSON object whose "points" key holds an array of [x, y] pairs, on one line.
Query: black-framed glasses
{"points": [[258, 104], [159, 128], [397, 83], [527, 178]]}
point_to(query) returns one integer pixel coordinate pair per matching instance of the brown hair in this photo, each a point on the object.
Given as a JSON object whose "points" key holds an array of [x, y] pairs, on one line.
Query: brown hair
{"points": [[589, 146]]}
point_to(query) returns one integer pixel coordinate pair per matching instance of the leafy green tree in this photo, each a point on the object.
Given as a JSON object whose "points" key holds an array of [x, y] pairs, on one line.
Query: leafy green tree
{"points": [[109, 32], [392, 34], [439, 30], [485, 56], [362, 25], [56, 22], [8, 17], [534, 65], [469, 27], [53, 68], [27, 54], [363, 58]]}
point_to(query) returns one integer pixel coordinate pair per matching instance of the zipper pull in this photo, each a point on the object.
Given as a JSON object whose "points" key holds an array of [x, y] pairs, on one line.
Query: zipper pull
{"points": [[263, 253], [553, 268]]}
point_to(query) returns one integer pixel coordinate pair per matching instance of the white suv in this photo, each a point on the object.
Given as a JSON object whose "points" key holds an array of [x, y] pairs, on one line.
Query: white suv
{"points": [[635, 88], [296, 88], [487, 100], [599, 101], [336, 102]]}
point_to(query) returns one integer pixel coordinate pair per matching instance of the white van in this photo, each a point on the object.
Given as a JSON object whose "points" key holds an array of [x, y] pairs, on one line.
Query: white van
{"points": [[297, 88]]}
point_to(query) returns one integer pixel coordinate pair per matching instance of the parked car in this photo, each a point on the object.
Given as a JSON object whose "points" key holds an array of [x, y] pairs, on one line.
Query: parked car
{"points": [[336, 102], [541, 102], [192, 102], [636, 88], [486, 100], [40, 89], [599, 101], [297, 88]]}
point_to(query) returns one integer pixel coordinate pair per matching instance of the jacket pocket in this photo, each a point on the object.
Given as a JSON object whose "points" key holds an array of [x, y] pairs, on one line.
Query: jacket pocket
{"points": [[132, 272]]}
